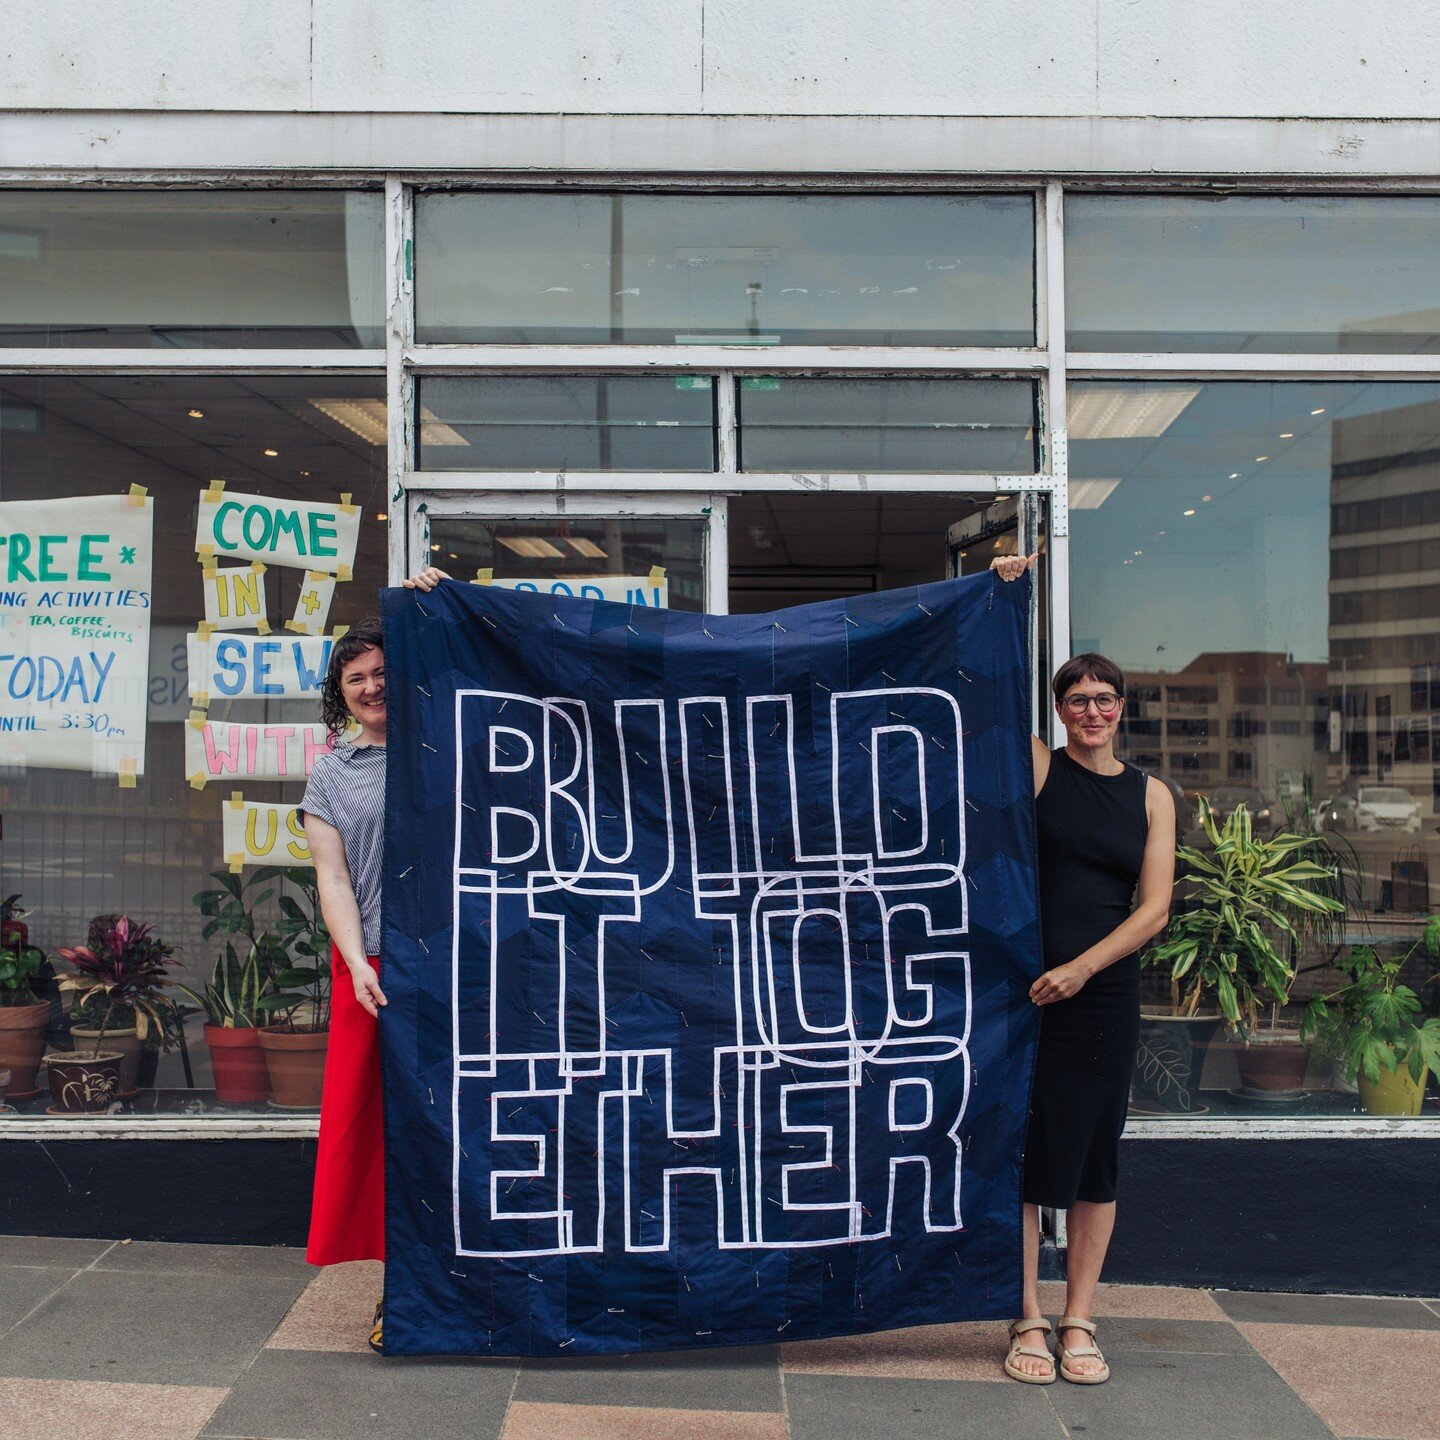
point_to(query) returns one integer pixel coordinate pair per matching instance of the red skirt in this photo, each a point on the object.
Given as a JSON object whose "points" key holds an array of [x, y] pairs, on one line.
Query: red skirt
{"points": [[347, 1215]]}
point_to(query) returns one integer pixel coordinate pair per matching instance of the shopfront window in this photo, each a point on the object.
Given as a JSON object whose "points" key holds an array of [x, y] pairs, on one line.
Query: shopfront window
{"points": [[82, 843], [725, 269], [192, 269], [1232, 553], [571, 422], [1284, 275], [935, 425]]}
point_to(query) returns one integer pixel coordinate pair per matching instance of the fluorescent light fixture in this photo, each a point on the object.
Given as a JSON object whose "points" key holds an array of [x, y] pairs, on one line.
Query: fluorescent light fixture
{"points": [[365, 418], [588, 548], [1090, 494], [531, 547], [1118, 413], [434, 431]]}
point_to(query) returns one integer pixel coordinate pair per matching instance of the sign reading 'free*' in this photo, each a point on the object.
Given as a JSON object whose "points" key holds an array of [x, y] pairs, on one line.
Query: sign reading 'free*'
{"points": [[281, 532]]}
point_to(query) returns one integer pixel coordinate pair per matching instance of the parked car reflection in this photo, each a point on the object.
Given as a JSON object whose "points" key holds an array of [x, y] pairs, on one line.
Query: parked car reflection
{"points": [[1226, 799], [1371, 809]]}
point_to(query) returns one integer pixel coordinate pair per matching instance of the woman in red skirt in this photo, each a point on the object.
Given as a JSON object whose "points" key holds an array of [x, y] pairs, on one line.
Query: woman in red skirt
{"points": [[344, 815]]}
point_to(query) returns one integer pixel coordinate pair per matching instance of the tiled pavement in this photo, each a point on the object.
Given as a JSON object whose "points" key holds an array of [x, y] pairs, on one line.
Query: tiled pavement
{"points": [[172, 1342]]}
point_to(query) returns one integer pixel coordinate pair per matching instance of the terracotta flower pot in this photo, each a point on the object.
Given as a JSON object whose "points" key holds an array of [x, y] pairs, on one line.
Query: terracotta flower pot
{"points": [[239, 1065], [125, 1043], [1394, 1093], [86, 1084], [22, 1038], [296, 1062], [1274, 1061], [4, 1085]]}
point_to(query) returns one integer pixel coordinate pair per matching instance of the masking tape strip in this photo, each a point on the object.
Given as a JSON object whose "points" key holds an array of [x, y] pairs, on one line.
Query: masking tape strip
{"points": [[236, 861], [338, 631], [236, 800], [345, 504], [209, 571], [205, 552], [297, 627], [126, 767], [204, 629], [201, 698], [657, 575], [257, 567], [263, 626], [197, 780], [344, 573], [483, 577], [198, 720], [127, 782], [137, 496], [212, 493]]}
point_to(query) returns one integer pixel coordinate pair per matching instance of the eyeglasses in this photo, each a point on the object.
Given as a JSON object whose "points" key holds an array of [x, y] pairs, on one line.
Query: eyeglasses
{"points": [[1079, 704]]}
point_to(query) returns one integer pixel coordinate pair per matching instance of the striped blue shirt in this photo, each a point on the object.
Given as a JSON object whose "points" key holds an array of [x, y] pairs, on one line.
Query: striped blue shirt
{"points": [[346, 789]]}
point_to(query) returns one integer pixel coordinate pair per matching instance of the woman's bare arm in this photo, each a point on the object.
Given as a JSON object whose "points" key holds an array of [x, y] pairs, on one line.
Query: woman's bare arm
{"points": [[1149, 917], [341, 910]]}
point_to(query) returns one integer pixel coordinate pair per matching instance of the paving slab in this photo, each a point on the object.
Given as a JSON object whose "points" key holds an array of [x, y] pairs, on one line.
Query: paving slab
{"points": [[22, 1288], [1361, 1382], [149, 1327], [1271, 1307], [50, 1251], [1199, 1397], [298, 1395], [925, 1352], [95, 1410], [335, 1310], [207, 1259], [1150, 1302], [737, 1378], [527, 1421], [836, 1407], [1124, 1336]]}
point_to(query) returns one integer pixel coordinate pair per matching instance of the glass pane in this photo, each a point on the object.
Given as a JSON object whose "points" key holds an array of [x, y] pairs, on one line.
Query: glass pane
{"points": [[568, 423], [1259, 558], [576, 550], [192, 269], [1285, 275], [962, 426], [78, 846], [747, 269]]}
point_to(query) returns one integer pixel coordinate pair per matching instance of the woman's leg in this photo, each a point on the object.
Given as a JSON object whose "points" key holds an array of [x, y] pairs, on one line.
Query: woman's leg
{"points": [[1088, 1227], [1030, 1296]]}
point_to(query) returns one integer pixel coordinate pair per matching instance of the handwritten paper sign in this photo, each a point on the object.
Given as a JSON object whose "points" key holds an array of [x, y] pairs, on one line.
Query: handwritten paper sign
{"points": [[278, 532], [235, 597], [626, 589], [256, 833], [312, 609], [253, 666], [218, 750], [75, 632]]}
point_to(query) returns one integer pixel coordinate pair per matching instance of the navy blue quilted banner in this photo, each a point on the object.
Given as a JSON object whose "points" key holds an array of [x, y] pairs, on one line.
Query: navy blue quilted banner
{"points": [[707, 943]]}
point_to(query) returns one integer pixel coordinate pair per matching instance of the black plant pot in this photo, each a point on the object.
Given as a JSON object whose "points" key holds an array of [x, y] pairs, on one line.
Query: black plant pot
{"points": [[1169, 1062]]}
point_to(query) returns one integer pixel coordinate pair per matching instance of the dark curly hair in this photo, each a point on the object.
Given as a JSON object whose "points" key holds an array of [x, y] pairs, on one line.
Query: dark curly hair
{"points": [[369, 634]]}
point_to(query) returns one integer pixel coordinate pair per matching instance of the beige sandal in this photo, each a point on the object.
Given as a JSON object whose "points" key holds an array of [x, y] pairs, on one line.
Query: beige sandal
{"points": [[1023, 1327], [1080, 1352]]}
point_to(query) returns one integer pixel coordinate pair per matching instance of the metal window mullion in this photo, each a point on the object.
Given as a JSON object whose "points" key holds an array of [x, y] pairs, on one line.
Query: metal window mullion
{"points": [[860, 360], [717, 556], [399, 383], [727, 423], [598, 481], [56, 361], [1057, 459], [1223, 365]]}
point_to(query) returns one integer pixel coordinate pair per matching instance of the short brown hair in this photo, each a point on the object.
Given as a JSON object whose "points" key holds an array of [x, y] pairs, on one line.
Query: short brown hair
{"points": [[1087, 667]]}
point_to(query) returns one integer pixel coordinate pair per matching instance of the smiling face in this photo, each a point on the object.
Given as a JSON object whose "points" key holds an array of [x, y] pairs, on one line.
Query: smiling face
{"points": [[362, 683], [1091, 728]]}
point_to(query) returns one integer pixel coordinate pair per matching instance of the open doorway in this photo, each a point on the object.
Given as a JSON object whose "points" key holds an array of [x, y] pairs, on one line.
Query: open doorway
{"points": [[788, 549]]}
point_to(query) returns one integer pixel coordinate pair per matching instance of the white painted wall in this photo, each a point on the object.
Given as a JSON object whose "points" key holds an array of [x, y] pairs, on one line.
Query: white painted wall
{"points": [[1137, 58]]}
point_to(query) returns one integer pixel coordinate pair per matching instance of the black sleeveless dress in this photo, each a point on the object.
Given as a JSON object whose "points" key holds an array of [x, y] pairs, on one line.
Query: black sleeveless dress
{"points": [[1091, 832]]}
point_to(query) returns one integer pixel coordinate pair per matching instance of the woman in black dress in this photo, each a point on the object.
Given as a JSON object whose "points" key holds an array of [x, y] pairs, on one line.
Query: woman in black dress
{"points": [[1106, 839]]}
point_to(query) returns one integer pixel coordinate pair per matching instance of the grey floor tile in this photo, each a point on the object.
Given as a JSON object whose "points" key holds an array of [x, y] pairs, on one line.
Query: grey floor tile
{"points": [[1200, 1397], [305, 1395], [208, 1259], [739, 1378], [1184, 1337], [50, 1251], [847, 1407], [1373, 1312], [22, 1288], [148, 1327]]}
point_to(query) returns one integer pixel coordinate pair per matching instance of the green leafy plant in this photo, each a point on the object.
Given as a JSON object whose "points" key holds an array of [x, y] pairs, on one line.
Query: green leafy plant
{"points": [[1244, 894], [292, 954], [1374, 1023], [231, 999], [123, 972], [19, 970]]}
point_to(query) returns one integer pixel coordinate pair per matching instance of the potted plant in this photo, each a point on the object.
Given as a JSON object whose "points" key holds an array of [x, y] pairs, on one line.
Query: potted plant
{"points": [[231, 1002], [14, 932], [1245, 894], [121, 976], [1375, 1025], [23, 1018]]}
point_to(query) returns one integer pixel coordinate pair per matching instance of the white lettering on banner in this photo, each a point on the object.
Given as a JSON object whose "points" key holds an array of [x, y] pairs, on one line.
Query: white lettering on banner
{"points": [[220, 750], [256, 833], [786, 900], [280, 532], [75, 632], [235, 597], [230, 666], [626, 589]]}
